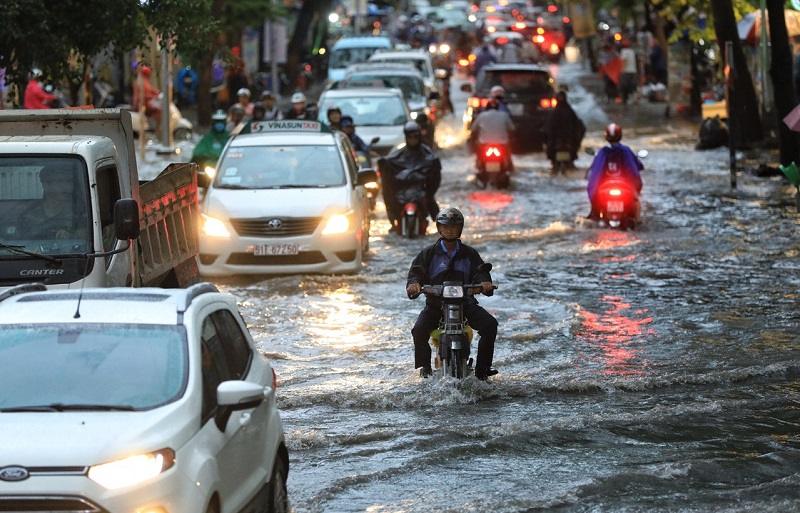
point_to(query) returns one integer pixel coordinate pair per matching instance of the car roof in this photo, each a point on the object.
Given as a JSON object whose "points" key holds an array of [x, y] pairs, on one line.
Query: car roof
{"points": [[507, 34], [516, 67], [349, 93], [116, 305], [362, 42], [383, 66], [390, 72], [287, 138], [401, 54]]}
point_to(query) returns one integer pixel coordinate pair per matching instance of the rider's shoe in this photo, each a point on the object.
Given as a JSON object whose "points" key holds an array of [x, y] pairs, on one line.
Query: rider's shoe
{"points": [[425, 372], [483, 374]]}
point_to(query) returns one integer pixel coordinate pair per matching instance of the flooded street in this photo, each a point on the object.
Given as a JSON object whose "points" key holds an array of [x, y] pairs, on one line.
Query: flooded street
{"points": [[646, 370]]}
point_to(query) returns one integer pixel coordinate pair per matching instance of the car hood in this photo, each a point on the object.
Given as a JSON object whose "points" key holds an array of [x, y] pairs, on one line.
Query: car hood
{"points": [[79, 439], [390, 135], [249, 204]]}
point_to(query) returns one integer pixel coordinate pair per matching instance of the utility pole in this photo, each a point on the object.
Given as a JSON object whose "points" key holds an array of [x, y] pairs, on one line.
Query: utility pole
{"points": [[763, 59]]}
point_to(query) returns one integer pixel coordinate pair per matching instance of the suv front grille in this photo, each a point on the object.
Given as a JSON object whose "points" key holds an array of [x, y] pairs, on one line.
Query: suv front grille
{"points": [[59, 504], [276, 226]]}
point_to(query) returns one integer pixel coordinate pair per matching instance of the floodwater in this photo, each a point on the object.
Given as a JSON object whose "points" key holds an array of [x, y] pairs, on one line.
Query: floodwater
{"points": [[646, 370]]}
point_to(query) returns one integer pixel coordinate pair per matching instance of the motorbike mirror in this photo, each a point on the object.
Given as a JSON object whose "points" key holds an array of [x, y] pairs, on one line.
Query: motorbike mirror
{"points": [[126, 219], [375, 140], [367, 175], [466, 88], [441, 73], [590, 151], [642, 154]]}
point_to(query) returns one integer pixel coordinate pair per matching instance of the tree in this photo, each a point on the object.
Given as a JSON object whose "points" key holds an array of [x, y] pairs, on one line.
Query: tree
{"points": [[746, 121], [782, 83]]}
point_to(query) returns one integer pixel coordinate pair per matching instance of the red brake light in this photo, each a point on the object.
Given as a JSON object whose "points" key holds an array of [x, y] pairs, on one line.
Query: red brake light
{"points": [[548, 103], [565, 19], [502, 40], [615, 192], [552, 8], [493, 151]]}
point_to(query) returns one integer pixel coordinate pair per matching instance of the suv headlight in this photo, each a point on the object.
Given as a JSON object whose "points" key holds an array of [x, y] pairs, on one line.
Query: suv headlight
{"points": [[132, 470], [213, 227], [338, 223]]}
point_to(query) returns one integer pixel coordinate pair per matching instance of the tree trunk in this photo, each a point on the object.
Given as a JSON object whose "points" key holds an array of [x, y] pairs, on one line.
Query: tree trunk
{"points": [[746, 125], [297, 45], [204, 100], [782, 83]]}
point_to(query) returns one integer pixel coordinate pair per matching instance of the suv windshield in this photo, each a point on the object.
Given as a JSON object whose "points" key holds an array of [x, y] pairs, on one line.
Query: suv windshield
{"points": [[280, 167], [98, 365], [412, 87], [369, 110], [518, 83], [417, 63], [44, 205], [343, 57]]}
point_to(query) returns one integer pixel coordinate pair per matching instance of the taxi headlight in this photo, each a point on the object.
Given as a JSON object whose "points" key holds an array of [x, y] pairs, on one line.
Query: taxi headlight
{"points": [[336, 224], [132, 470], [211, 171], [453, 291], [213, 227]]}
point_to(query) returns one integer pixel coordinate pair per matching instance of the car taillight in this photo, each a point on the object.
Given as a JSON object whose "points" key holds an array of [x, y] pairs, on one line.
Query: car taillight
{"points": [[474, 102], [615, 192], [493, 151], [554, 49], [463, 63], [538, 39], [548, 103]]}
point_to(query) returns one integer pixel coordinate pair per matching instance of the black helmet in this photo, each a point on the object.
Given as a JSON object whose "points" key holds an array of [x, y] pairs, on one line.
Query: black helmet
{"points": [[411, 128], [346, 121], [450, 217], [334, 108]]}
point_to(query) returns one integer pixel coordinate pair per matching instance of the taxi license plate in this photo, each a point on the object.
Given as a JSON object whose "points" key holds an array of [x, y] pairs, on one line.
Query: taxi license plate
{"points": [[275, 249], [615, 206], [516, 109], [493, 167]]}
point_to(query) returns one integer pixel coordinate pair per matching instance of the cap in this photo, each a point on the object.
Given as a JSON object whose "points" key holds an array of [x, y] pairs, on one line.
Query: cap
{"points": [[298, 98]]}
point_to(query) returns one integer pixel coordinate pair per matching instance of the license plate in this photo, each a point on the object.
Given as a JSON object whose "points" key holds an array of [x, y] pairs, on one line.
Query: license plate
{"points": [[563, 156], [275, 249], [493, 167], [516, 109], [615, 206]]}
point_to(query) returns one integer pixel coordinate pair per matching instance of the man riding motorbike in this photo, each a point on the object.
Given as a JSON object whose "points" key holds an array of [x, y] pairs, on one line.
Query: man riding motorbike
{"points": [[498, 94], [564, 130], [334, 118], [208, 150], [413, 168], [492, 126], [614, 159], [451, 260]]}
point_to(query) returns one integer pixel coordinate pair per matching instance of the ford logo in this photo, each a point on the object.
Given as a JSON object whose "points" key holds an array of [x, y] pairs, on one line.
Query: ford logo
{"points": [[14, 473], [275, 224]]}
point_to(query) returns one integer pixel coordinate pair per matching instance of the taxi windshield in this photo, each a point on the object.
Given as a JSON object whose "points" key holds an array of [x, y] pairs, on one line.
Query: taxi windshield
{"points": [[44, 205], [281, 167], [93, 366]]}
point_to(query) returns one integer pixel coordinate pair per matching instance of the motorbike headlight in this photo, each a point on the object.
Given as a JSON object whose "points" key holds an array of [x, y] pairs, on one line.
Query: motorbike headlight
{"points": [[414, 115], [444, 49], [452, 291], [132, 470], [336, 224], [210, 171], [213, 227], [372, 186]]}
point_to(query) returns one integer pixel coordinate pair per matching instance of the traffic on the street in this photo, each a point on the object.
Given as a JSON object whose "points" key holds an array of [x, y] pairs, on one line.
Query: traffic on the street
{"points": [[496, 256]]}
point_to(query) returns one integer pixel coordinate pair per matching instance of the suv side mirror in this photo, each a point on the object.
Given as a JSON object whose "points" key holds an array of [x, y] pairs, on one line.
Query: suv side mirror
{"points": [[466, 88], [235, 396], [366, 176], [126, 219]]}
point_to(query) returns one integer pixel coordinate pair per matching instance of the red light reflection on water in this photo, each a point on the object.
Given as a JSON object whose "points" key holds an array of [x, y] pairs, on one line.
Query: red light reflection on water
{"points": [[613, 333], [611, 239], [491, 200]]}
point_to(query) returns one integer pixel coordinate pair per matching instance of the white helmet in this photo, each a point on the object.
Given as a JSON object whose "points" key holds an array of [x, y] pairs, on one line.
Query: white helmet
{"points": [[298, 98], [36, 73], [243, 92], [497, 92]]}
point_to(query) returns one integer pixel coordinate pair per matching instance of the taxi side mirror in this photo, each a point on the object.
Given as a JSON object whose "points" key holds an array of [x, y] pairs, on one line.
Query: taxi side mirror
{"points": [[366, 176], [126, 219]]}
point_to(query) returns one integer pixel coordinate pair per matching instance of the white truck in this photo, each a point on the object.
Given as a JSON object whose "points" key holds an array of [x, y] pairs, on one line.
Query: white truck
{"points": [[70, 196]]}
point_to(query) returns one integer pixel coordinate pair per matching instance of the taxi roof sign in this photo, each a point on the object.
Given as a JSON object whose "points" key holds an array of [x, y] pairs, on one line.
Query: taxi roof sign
{"points": [[286, 125]]}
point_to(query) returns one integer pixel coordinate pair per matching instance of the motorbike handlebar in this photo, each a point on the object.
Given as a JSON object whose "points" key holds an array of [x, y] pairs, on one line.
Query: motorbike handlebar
{"points": [[436, 290]]}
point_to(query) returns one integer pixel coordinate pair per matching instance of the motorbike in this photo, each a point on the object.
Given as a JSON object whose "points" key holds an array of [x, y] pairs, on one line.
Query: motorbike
{"points": [[180, 126], [364, 160], [562, 157], [616, 201], [493, 165], [413, 217], [407, 188], [453, 338]]}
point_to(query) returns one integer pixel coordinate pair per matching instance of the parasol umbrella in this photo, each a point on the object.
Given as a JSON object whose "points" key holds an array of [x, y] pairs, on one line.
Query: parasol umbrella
{"points": [[792, 119], [750, 26]]}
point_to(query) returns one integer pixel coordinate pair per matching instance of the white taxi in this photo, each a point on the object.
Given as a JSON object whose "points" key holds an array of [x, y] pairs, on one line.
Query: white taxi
{"points": [[286, 198]]}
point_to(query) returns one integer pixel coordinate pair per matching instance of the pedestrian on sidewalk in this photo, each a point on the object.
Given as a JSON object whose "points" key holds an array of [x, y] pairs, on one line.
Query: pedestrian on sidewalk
{"points": [[629, 79]]}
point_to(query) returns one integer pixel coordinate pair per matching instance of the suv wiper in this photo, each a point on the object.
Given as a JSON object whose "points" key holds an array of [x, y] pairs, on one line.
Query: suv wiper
{"points": [[233, 186], [69, 407], [18, 250]]}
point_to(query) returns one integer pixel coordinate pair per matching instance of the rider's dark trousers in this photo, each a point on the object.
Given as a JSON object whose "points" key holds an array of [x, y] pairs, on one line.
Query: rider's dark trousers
{"points": [[478, 318]]}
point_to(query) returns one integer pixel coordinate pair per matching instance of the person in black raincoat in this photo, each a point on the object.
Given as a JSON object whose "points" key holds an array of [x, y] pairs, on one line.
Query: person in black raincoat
{"points": [[411, 173], [564, 130]]}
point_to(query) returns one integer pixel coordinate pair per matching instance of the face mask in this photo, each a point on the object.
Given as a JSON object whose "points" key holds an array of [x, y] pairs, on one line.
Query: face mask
{"points": [[218, 127]]}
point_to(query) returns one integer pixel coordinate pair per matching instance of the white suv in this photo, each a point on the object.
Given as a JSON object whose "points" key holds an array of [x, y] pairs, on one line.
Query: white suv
{"points": [[135, 400]]}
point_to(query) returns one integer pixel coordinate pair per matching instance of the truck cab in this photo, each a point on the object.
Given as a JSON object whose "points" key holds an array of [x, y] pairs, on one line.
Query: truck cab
{"points": [[68, 182]]}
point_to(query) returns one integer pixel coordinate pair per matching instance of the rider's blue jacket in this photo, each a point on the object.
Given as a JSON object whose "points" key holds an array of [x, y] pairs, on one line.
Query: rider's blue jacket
{"points": [[434, 265], [611, 159]]}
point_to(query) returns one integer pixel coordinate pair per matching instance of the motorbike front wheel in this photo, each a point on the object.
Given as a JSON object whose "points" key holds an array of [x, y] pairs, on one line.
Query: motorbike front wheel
{"points": [[457, 364]]}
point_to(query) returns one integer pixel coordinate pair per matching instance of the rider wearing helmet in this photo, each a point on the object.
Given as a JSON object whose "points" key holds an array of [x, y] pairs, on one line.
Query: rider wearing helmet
{"points": [[35, 96], [299, 110], [413, 155], [614, 158], [210, 146], [449, 259], [492, 126], [498, 94]]}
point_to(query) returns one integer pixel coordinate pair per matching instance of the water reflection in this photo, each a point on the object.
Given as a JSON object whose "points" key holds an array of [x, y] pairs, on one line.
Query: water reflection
{"points": [[614, 333], [337, 320], [610, 239], [491, 200]]}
